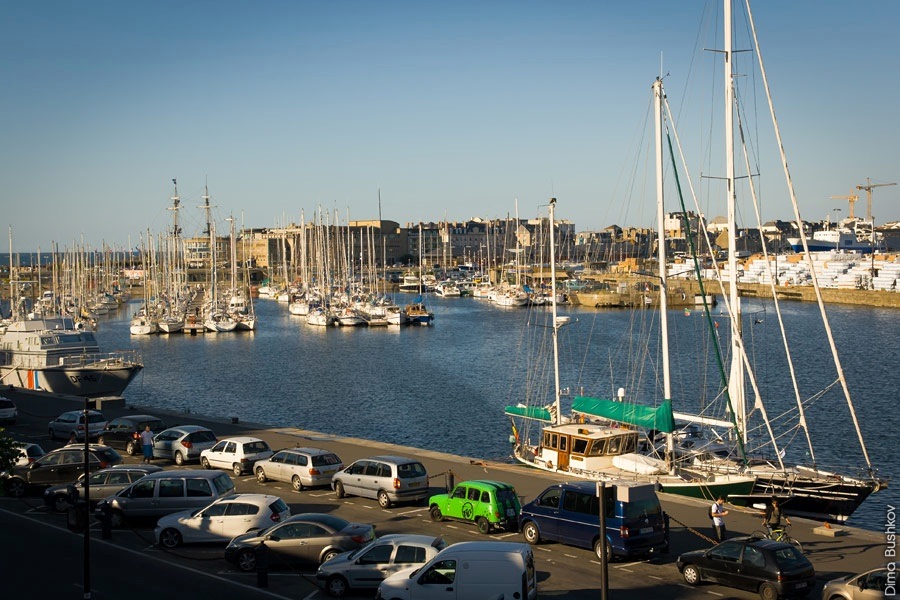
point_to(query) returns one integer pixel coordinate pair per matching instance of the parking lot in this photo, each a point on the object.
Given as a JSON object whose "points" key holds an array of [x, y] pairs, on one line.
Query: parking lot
{"points": [[46, 552]]}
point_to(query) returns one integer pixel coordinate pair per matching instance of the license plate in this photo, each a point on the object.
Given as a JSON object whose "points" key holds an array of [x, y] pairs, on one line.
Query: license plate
{"points": [[510, 512], [646, 530], [414, 484], [801, 585]]}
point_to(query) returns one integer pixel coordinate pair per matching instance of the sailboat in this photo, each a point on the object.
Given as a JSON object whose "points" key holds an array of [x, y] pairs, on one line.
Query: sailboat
{"points": [[172, 319], [583, 446], [216, 318]]}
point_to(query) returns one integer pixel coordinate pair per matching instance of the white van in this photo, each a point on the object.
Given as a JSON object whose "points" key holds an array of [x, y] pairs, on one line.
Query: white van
{"points": [[468, 571]]}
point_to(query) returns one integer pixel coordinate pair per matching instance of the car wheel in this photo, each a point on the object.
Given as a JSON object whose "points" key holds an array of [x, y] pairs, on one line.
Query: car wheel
{"points": [[600, 547], [131, 448], [436, 514], [339, 489], [170, 538], [336, 586], [117, 518], [179, 459], [237, 469], [261, 475], [484, 526], [329, 555], [296, 483], [383, 499], [203, 462], [16, 487], [51, 434], [767, 591], [61, 503], [530, 533], [691, 574], [246, 560]]}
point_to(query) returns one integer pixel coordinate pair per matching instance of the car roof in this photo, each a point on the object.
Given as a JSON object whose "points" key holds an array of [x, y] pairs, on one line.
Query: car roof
{"points": [[393, 459], [307, 450], [128, 467], [80, 446], [413, 538], [78, 412], [313, 517], [138, 418], [240, 439], [260, 498], [187, 473], [487, 483], [189, 428]]}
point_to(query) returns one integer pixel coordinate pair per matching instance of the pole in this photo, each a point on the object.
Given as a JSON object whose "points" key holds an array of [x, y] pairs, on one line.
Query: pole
{"points": [[86, 594], [604, 563]]}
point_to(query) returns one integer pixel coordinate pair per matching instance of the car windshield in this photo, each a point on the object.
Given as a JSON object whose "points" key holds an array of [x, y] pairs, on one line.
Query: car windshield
{"points": [[788, 557], [253, 447], [637, 509], [94, 418], [506, 495], [202, 436], [362, 549], [325, 459], [411, 470]]}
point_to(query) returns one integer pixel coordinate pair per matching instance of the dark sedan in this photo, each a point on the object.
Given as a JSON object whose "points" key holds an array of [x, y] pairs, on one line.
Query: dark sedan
{"points": [[773, 569], [63, 465], [307, 539], [124, 433]]}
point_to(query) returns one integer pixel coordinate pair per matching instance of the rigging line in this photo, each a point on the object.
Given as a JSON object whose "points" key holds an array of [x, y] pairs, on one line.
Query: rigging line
{"points": [[690, 237], [818, 291]]}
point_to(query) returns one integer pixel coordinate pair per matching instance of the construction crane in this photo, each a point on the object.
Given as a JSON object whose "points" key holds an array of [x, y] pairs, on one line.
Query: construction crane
{"points": [[868, 187], [852, 198]]}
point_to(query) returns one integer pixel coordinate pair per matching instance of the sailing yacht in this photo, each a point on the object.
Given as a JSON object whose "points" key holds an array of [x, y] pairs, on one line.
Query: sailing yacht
{"points": [[600, 439]]}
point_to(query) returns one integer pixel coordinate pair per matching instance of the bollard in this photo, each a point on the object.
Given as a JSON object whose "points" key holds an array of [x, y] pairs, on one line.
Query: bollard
{"points": [[262, 565], [105, 522], [451, 481]]}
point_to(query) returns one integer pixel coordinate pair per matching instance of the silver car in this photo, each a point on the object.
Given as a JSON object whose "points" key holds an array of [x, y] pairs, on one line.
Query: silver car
{"points": [[301, 467], [388, 479], [103, 483], [368, 566], [72, 423], [869, 585], [183, 443]]}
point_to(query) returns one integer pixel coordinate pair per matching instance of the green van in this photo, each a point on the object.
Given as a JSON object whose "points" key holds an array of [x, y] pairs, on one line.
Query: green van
{"points": [[488, 504]]}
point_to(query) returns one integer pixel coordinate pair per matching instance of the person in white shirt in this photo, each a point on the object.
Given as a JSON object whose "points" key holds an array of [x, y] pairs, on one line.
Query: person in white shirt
{"points": [[718, 513]]}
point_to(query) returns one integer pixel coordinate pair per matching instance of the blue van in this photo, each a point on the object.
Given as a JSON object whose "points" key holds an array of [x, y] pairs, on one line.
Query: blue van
{"points": [[570, 513]]}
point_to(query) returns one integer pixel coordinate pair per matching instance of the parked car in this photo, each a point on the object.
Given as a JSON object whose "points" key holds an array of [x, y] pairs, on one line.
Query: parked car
{"points": [[388, 479], [869, 585], [772, 569], [8, 412], [569, 513], [484, 570], [222, 520], [301, 540], [368, 566], [28, 453], [103, 483], [62, 465], [301, 467], [486, 503], [125, 432], [72, 422], [238, 454], [166, 492], [183, 443]]}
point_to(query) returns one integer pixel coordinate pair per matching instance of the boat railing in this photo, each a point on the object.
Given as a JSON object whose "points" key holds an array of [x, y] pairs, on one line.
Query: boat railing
{"points": [[105, 359]]}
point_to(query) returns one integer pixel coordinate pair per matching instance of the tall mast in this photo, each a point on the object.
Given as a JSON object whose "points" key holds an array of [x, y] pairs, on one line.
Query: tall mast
{"points": [[557, 414]]}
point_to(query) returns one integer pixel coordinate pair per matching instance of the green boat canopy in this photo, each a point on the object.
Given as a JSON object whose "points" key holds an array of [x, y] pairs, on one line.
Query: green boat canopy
{"points": [[659, 418], [530, 412]]}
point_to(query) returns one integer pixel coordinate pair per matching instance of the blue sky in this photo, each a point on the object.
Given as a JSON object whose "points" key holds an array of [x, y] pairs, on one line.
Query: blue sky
{"points": [[452, 110]]}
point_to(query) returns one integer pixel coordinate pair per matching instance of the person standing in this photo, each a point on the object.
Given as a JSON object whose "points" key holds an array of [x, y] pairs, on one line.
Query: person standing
{"points": [[147, 443], [772, 516], [718, 513]]}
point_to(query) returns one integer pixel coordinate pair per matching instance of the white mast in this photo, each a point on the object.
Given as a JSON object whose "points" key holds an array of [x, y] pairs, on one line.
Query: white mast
{"points": [[557, 413]]}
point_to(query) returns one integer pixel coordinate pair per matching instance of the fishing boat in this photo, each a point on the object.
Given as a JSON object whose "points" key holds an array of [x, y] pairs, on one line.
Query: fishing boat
{"points": [[55, 356], [604, 440]]}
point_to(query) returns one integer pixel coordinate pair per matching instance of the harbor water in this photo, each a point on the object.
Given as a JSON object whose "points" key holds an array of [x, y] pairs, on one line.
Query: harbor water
{"points": [[444, 387]]}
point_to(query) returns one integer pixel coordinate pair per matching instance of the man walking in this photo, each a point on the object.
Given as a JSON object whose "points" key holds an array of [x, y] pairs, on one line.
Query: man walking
{"points": [[147, 443], [718, 513]]}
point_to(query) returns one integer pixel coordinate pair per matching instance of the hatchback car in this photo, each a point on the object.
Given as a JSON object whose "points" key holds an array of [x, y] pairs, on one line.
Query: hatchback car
{"points": [[368, 566], [302, 540], [72, 423], [103, 483], [62, 465], [183, 443], [238, 454], [8, 412], [28, 453], [488, 504], [869, 585], [772, 569], [301, 467], [124, 433], [222, 520], [388, 479]]}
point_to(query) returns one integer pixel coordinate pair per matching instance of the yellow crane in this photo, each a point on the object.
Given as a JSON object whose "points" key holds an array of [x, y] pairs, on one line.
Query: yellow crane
{"points": [[852, 198], [868, 187]]}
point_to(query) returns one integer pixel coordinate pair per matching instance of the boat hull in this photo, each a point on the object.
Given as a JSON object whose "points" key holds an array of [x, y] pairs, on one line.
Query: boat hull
{"points": [[100, 379]]}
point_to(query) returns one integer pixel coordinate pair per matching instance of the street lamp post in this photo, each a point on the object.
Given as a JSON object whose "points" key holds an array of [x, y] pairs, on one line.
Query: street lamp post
{"points": [[86, 595]]}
